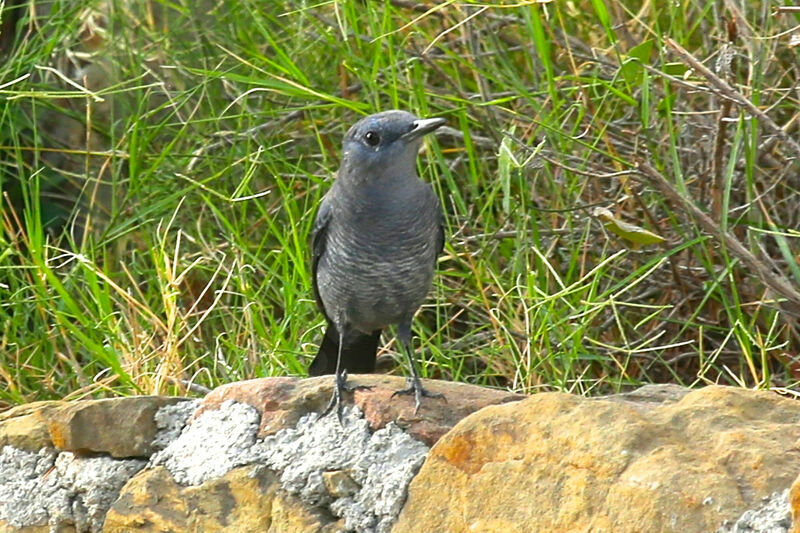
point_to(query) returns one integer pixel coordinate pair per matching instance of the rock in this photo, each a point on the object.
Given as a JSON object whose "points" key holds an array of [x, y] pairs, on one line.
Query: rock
{"points": [[289, 515], [120, 427], [25, 427], [649, 396], [170, 421], [59, 491], [339, 484], [771, 516], [435, 418], [282, 401], [794, 504], [214, 443], [245, 499], [330, 476], [555, 462], [312, 461], [5, 527], [256, 456], [277, 399], [42, 489]]}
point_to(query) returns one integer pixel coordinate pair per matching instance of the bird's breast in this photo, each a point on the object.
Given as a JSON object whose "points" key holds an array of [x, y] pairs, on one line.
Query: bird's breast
{"points": [[378, 266]]}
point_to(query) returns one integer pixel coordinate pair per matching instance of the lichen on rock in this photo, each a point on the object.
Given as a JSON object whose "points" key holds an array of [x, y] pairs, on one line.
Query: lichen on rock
{"points": [[60, 489], [380, 464]]}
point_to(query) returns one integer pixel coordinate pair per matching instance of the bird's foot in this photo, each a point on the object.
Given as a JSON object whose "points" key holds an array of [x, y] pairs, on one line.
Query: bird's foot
{"points": [[414, 386], [339, 385]]}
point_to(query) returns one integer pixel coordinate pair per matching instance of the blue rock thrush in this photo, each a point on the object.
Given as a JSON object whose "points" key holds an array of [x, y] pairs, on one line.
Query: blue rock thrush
{"points": [[375, 241]]}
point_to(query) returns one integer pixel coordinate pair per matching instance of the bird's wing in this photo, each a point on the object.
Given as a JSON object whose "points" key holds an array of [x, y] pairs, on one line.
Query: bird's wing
{"points": [[440, 232], [440, 236], [318, 242]]}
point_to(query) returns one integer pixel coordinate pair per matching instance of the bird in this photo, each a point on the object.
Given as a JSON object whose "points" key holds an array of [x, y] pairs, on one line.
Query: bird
{"points": [[375, 241]]}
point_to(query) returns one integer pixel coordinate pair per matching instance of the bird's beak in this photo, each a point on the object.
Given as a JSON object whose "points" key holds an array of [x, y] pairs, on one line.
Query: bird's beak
{"points": [[422, 127]]}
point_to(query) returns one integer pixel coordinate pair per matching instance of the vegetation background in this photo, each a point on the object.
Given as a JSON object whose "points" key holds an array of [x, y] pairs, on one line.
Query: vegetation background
{"points": [[620, 180]]}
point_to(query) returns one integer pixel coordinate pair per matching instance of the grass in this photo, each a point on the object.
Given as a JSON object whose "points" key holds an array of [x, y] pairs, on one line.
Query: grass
{"points": [[160, 164]]}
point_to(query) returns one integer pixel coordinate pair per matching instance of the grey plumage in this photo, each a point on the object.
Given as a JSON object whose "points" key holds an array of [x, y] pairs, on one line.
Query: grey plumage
{"points": [[377, 235]]}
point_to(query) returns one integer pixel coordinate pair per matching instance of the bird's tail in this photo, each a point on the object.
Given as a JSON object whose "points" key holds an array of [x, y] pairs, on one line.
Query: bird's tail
{"points": [[359, 351]]}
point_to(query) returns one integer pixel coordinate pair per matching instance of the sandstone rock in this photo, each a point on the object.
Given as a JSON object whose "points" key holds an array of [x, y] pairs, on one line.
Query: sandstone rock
{"points": [[5, 527], [649, 396], [120, 427], [794, 504], [253, 459], [556, 462], [339, 484], [282, 401], [290, 515], [25, 427], [243, 500]]}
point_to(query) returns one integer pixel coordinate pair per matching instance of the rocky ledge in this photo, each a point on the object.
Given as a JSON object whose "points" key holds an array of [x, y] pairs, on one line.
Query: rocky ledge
{"points": [[256, 456]]}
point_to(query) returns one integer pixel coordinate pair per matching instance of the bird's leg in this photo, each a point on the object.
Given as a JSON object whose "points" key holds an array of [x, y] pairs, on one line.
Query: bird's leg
{"points": [[414, 385], [339, 381]]}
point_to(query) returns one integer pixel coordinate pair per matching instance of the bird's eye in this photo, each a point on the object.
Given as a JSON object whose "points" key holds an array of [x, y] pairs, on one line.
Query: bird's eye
{"points": [[372, 138]]}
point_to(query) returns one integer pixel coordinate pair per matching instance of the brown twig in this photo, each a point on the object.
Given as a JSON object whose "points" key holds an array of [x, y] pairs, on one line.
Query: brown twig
{"points": [[228, 138], [716, 161], [772, 279], [189, 385], [729, 92], [723, 63]]}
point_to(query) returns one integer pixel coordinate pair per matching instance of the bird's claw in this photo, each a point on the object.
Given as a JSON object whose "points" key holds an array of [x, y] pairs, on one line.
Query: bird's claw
{"points": [[340, 385], [414, 386], [336, 401]]}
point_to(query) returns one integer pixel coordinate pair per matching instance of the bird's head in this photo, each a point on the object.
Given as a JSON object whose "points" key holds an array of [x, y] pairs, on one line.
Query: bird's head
{"points": [[385, 144]]}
